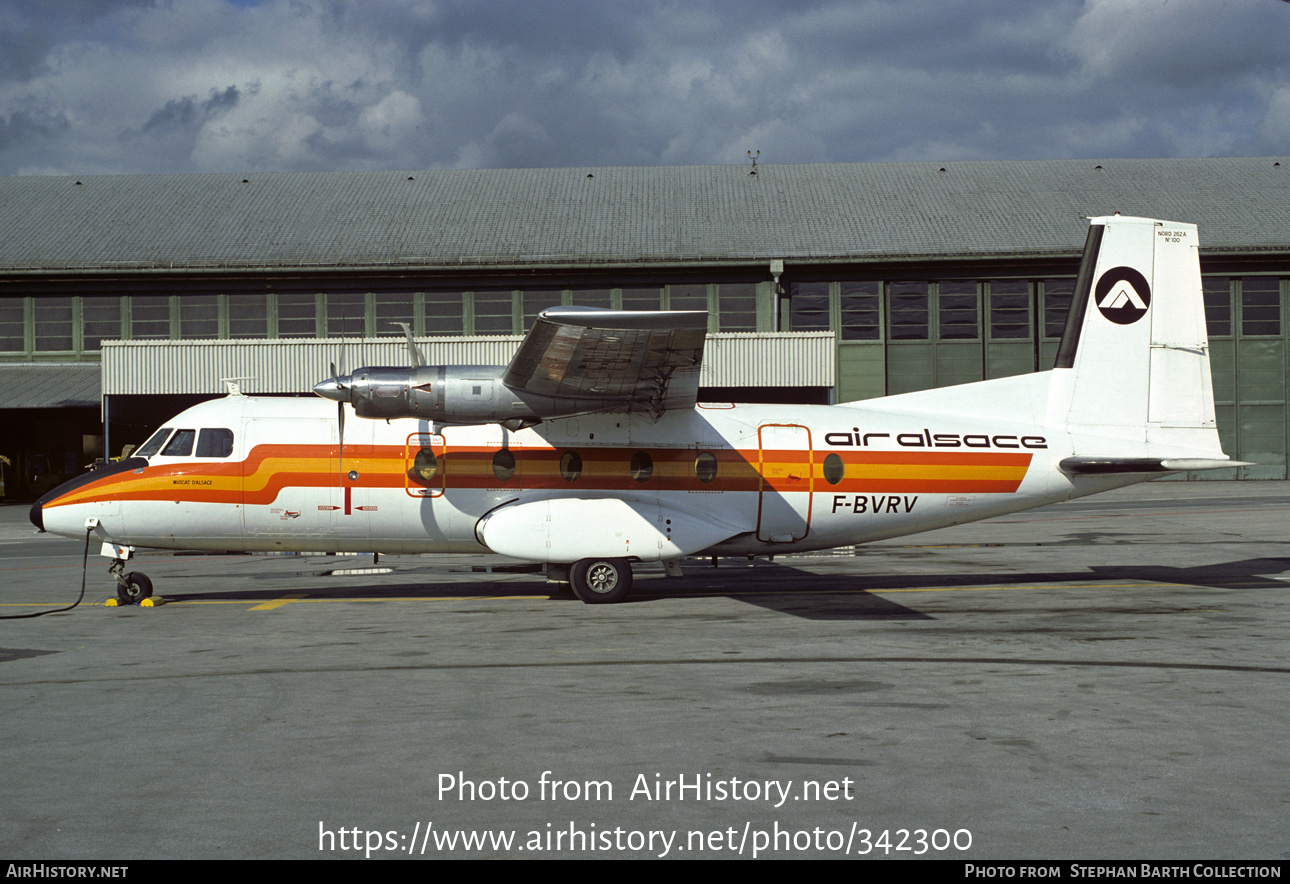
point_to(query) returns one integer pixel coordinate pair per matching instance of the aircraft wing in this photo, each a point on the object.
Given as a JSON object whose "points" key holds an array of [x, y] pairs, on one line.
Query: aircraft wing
{"points": [[643, 360]]}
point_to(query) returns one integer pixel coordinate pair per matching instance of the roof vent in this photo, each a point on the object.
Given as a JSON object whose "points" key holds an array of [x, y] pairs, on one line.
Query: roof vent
{"points": [[1098, 169], [246, 181], [589, 175], [410, 178], [942, 168]]}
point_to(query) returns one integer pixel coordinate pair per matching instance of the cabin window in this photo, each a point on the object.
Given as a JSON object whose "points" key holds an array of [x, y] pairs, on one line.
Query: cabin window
{"points": [[180, 444], [570, 465], [705, 466], [424, 466], [154, 443], [642, 466], [503, 464], [215, 442], [833, 469]]}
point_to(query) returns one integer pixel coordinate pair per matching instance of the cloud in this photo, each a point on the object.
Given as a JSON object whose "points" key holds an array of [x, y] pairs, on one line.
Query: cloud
{"points": [[210, 85]]}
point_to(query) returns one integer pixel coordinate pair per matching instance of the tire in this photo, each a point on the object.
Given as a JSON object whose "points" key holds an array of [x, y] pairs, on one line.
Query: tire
{"points": [[137, 588], [601, 581]]}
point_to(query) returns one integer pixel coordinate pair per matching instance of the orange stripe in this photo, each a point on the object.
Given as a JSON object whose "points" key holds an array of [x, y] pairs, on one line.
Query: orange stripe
{"points": [[269, 469]]}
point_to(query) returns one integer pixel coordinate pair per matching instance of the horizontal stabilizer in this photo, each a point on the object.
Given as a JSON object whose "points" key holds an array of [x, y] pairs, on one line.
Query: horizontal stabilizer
{"points": [[1097, 466]]}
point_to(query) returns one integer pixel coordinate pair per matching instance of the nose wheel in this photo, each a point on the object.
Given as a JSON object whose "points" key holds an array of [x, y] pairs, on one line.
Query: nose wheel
{"points": [[132, 588]]}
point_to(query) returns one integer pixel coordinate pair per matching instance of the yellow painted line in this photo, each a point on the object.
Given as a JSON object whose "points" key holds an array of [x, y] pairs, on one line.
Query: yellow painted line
{"points": [[278, 603]]}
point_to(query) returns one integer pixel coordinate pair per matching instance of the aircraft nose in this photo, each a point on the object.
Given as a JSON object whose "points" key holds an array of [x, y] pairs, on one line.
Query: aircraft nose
{"points": [[38, 515], [331, 389]]}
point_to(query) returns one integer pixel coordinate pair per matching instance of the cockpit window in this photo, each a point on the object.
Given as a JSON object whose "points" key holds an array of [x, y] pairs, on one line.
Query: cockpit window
{"points": [[180, 444], [215, 442], [154, 443]]}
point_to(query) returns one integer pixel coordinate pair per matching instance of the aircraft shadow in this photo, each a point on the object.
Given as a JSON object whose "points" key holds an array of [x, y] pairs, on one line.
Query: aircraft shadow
{"points": [[770, 585]]}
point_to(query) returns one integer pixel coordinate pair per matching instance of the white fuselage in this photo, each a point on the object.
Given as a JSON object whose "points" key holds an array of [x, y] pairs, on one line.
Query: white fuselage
{"points": [[718, 479]]}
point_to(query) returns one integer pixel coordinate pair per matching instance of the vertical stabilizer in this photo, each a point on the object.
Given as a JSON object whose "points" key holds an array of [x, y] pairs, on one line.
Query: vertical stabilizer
{"points": [[1133, 364]]}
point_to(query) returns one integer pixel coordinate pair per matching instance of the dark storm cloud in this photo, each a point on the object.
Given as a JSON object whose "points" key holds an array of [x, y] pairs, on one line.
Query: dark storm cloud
{"points": [[315, 84], [187, 112]]}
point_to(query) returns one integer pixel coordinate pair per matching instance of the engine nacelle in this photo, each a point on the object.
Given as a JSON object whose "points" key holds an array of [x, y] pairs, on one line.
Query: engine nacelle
{"points": [[450, 394]]}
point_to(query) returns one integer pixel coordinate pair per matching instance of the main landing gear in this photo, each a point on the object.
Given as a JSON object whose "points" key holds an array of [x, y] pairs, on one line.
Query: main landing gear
{"points": [[601, 581]]}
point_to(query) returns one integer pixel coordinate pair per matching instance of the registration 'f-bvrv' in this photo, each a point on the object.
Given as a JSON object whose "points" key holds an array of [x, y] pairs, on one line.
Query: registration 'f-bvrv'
{"points": [[589, 451]]}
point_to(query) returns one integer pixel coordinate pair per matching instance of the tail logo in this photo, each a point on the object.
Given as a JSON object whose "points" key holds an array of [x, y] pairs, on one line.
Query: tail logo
{"points": [[1123, 295]]}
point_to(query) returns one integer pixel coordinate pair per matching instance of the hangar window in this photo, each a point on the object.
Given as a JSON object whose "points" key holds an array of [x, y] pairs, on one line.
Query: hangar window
{"points": [[493, 313], [346, 314], [297, 315], [909, 312], [443, 312], [503, 465], [1009, 309], [180, 444], [154, 443], [642, 466], [101, 319], [1058, 294], [833, 469], [705, 466], [808, 306], [53, 323], [1260, 305], [150, 317], [12, 334], [198, 316], [215, 442], [538, 299], [248, 316], [1218, 305], [392, 308], [957, 311], [597, 297], [570, 465], [860, 306], [687, 297], [642, 298], [425, 465], [737, 306]]}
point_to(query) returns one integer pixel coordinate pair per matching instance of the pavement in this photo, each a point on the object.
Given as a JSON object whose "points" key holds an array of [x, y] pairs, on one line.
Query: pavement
{"points": [[1100, 679]]}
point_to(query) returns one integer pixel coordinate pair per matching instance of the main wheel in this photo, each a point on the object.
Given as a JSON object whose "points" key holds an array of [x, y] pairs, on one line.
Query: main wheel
{"points": [[601, 581], [137, 588]]}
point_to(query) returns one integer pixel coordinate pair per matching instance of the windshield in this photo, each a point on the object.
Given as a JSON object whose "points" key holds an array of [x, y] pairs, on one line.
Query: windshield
{"points": [[153, 445]]}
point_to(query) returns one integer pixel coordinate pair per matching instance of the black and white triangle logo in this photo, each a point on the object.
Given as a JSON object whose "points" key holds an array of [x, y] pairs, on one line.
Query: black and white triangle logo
{"points": [[1123, 295]]}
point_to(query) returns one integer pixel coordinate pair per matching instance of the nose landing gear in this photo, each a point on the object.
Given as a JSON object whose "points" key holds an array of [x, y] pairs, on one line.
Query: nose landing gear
{"points": [[132, 588]]}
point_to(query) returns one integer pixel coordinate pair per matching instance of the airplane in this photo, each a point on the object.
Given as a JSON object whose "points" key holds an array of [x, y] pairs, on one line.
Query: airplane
{"points": [[589, 452]]}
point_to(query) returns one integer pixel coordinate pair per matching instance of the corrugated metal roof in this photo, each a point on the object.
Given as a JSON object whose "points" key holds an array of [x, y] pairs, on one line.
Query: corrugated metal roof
{"points": [[50, 385], [627, 215]]}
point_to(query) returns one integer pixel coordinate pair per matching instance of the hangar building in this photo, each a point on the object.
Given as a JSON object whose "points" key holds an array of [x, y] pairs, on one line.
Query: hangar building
{"points": [[125, 298]]}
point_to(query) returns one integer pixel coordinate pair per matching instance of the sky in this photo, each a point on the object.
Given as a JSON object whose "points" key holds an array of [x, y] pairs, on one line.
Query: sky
{"points": [[142, 86]]}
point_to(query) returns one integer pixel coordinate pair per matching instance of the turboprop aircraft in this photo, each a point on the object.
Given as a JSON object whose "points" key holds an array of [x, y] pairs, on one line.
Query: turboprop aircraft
{"points": [[589, 451]]}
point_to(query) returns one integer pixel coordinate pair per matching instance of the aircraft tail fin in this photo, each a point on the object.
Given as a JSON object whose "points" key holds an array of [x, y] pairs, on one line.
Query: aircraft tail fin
{"points": [[1133, 364]]}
